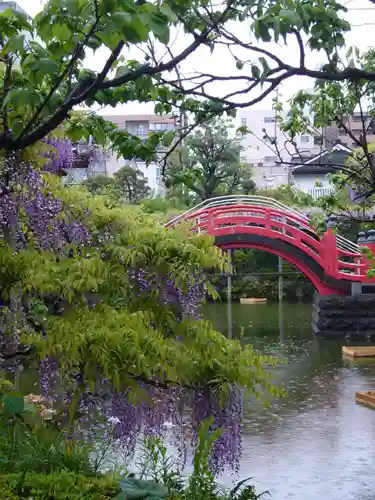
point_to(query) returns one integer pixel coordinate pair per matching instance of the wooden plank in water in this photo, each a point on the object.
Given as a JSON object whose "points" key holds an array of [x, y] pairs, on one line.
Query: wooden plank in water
{"points": [[366, 399], [245, 300], [359, 352]]}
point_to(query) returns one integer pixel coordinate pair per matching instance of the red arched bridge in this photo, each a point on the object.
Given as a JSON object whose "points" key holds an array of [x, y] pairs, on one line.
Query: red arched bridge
{"points": [[331, 262]]}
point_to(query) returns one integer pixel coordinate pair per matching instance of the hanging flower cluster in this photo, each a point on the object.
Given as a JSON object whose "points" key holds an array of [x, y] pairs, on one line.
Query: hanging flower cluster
{"points": [[181, 409], [61, 156], [29, 213]]}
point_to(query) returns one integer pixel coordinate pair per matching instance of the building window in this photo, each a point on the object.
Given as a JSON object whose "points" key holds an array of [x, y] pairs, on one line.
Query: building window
{"points": [[305, 138], [318, 140], [259, 164], [161, 126], [139, 129], [243, 122], [269, 119]]}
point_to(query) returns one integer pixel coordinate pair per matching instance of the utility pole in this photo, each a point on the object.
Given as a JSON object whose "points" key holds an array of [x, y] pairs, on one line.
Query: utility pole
{"points": [[229, 294]]}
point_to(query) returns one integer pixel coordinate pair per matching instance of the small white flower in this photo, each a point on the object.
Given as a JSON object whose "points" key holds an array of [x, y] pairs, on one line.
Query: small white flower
{"points": [[113, 420]]}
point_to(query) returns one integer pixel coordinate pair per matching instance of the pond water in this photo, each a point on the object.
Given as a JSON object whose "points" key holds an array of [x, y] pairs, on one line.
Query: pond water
{"points": [[316, 443]]}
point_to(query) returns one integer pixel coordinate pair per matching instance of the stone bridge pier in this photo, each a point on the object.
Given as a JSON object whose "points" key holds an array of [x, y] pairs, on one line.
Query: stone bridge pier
{"points": [[348, 316]]}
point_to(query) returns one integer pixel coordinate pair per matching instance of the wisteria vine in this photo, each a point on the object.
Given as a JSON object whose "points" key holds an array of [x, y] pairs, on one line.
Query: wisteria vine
{"points": [[29, 213], [182, 409]]}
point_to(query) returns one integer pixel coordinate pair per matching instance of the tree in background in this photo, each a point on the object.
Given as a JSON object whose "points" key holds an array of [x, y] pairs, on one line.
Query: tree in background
{"points": [[288, 195], [131, 184], [127, 185], [100, 184], [210, 164]]}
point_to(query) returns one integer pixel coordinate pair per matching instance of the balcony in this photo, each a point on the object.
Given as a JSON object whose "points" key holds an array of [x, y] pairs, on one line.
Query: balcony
{"points": [[319, 192]]}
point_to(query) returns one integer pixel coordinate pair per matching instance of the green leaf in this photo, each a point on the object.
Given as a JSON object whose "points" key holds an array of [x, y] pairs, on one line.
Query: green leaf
{"points": [[13, 405], [276, 28], [262, 31], [255, 71], [121, 71], [38, 49], [291, 16], [121, 18], [160, 28], [22, 97], [61, 32], [99, 135], [263, 61], [15, 45], [137, 32], [168, 138], [47, 66], [168, 12], [17, 128]]}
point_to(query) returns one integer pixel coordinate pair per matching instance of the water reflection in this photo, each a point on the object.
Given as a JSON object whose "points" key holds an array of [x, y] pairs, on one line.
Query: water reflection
{"points": [[316, 443]]}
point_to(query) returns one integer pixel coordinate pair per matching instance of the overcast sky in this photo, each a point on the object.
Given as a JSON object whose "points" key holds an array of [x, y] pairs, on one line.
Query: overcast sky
{"points": [[361, 15]]}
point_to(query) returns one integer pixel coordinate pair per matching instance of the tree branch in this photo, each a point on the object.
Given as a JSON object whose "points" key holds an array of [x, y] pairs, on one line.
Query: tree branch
{"points": [[301, 49], [69, 67]]}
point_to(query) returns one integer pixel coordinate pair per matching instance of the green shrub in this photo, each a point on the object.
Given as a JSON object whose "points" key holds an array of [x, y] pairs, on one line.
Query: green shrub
{"points": [[41, 451], [29, 443], [57, 486]]}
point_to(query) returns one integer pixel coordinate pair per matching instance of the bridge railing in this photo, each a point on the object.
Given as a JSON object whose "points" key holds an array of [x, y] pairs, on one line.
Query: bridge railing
{"points": [[339, 257], [224, 201]]}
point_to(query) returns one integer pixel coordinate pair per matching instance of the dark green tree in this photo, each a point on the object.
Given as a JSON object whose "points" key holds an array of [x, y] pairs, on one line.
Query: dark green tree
{"points": [[127, 185], [100, 184], [131, 185], [210, 164]]}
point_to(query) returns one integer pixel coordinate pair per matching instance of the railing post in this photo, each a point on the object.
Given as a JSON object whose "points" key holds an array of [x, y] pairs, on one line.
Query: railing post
{"points": [[361, 242], [369, 242], [210, 223], [331, 254]]}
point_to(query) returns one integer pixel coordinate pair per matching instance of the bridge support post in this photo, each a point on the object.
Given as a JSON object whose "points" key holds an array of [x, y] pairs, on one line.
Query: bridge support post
{"points": [[280, 266], [229, 295]]}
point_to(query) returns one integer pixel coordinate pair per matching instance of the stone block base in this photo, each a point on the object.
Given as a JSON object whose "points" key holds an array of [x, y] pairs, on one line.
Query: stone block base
{"points": [[344, 316]]}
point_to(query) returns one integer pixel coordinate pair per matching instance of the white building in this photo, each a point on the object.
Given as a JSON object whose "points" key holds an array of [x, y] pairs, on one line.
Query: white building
{"points": [[140, 125], [152, 172], [266, 144], [313, 176], [8, 4]]}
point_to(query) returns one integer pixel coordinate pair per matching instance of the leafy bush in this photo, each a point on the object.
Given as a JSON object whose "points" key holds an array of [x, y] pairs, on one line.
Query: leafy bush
{"points": [[41, 451], [57, 486], [29, 443]]}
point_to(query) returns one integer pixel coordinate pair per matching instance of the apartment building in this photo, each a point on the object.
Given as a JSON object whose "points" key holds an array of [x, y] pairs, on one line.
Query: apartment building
{"points": [[141, 125], [265, 145], [264, 156], [355, 124], [7, 4]]}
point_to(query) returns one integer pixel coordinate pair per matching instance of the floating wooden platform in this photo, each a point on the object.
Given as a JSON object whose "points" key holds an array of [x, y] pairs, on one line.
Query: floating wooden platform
{"points": [[245, 300], [366, 351], [366, 398]]}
